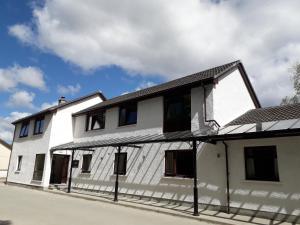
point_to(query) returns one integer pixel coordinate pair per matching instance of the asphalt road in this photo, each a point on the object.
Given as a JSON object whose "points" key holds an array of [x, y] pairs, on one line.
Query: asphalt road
{"points": [[22, 206]]}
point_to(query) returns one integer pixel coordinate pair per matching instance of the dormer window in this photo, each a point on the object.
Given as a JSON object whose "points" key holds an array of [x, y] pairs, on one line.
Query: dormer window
{"points": [[96, 120], [24, 129], [177, 112], [128, 114], [39, 125]]}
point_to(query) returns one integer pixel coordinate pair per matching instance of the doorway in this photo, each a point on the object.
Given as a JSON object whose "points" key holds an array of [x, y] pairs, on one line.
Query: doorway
{"points": [[59, 169]]}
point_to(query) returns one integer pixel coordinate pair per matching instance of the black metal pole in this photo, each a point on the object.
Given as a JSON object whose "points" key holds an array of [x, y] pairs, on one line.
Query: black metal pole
{"points": [[196, 213], [117, 175], [70, 175], [227, 177]]}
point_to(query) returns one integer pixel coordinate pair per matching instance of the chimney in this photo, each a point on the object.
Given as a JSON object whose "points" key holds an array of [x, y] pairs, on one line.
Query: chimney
{"points": [[62, 100]]}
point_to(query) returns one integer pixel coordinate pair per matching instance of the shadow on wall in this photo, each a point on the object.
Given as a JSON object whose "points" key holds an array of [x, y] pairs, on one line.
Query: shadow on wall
{"points": [[5, 222]]}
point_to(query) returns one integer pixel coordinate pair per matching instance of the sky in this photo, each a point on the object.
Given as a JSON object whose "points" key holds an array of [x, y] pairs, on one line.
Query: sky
{"points": [[71, 48]]}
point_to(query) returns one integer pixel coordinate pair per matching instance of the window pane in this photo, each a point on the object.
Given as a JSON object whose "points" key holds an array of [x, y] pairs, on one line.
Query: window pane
{"points": [[38, 126], [86, 162], [96, 121], [184, 163], [24, 129], [122, 163], [19, 163], [39, 167], [169, 163], [128, 114]]}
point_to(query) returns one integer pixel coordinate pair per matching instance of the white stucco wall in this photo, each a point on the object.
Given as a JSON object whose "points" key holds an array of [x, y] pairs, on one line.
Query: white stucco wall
{"points": [[58, 130], [231, 98], [4, 160]]}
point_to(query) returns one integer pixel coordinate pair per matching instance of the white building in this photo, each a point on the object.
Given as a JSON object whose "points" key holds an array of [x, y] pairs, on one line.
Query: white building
{"points": [[5, 150], [165, 142], [35, 135]]}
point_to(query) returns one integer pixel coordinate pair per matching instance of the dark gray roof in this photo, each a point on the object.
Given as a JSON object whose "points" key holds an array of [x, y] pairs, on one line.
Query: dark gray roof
{"points": [[5, 144], [276, 113], [53, 108], [206, 75]]}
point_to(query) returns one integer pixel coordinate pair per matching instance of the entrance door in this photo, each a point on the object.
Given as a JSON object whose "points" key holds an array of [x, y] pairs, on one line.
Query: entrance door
{"points": [[59, 169]]}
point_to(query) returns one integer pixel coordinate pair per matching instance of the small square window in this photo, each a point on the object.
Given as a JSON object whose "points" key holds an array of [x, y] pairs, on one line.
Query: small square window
{"points": [[128, 114], [19, 163], [96, 121], [24, 129], [86, 163], [179, 163], [122, 163], [39, 125], [261, 163]]}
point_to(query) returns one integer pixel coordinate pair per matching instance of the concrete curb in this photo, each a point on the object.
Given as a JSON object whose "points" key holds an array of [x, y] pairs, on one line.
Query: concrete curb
{"points": [[202, 218]]}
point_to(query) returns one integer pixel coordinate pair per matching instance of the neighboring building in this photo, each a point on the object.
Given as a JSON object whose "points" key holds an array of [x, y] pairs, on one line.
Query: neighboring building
{"points": [[35, 135], [201, 139], [5, 150]]}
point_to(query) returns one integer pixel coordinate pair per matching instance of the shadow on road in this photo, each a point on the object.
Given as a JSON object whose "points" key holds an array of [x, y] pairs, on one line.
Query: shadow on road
{"points": [[5, 222]]}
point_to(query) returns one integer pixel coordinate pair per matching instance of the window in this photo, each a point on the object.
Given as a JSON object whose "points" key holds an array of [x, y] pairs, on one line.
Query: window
{"points": [[38, 167], [122, 163], [96, 121], [128, 114], [179, 163], [19, 165], [86, 163], [177, 112], [24, 129], [39, 125], [261, 163]]}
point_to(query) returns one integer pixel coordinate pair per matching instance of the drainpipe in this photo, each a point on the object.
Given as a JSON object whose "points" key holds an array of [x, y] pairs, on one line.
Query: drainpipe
{"points": [[196, 213], [117, 175], [71, 169], [227, 177]]}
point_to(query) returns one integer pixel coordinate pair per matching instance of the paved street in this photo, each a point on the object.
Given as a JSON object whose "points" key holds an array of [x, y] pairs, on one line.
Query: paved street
{"points": [[21, 206]]}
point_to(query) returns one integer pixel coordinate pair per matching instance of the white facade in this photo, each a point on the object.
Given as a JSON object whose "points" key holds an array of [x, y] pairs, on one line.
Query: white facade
{"points": [[4, 159], [58, 129]]}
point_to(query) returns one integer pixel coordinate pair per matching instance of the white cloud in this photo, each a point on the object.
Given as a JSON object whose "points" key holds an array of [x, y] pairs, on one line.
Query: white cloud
{"points": [[172, 39], [11, 77], [145, 84], [69, 89], [22, 99], [6, 128], [46, 105]]}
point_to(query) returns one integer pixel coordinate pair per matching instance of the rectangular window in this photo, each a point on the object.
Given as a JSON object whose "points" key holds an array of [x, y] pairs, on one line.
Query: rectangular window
{"points": [[19, 165], [39, 167], [86, 163], [128, 114], [39, 125], [122, 163], [261, 163], [179, 163], [24, 129], [96, 121], [177, 112]]}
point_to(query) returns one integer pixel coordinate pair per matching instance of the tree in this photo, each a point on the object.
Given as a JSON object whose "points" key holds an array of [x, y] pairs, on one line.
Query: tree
{"points": [[295, 70]]}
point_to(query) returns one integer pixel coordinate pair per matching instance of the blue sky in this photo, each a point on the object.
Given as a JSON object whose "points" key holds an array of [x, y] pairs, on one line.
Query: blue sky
{"points": [[65, 47]]}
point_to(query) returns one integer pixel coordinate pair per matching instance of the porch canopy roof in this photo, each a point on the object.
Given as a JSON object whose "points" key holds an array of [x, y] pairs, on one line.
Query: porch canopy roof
{"points": [[270, 129]]}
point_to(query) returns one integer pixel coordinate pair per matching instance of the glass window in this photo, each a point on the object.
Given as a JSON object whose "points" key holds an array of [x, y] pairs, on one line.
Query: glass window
{"points": [[86, 163], [122, 163], [179, 163], [24, 129], [177, 112], [96, 121], [39, 125], [128, 114], [19, 165], [39, 167], [261, 163]]}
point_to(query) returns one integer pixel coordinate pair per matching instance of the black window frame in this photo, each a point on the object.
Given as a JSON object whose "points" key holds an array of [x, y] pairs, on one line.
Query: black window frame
{"points": [[122, 171], [39, 171], [265, 165], [129, 107], [84, 168], [173, 169], [19, 163], [24, 131], [172, 124], [91, 118], [39, 125]]}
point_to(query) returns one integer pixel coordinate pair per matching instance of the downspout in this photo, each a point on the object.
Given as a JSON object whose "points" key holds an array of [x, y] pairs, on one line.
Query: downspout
{"points": [[12, 145], [227, 177], [205, 116], [117, 175], [71, 170]]}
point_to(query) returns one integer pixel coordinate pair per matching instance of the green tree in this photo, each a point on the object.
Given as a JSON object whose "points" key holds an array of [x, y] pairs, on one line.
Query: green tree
{"points": [[295, 70]]}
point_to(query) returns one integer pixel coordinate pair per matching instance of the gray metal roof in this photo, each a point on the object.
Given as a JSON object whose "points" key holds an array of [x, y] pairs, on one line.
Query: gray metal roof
{"points": [[285, 112], [53, 108], [202, 76]]}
